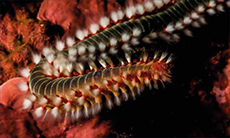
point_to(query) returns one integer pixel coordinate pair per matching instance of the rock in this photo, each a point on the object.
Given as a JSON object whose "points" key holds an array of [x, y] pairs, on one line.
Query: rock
{"points": [[10, 95], [62, 13], [16, 124]]}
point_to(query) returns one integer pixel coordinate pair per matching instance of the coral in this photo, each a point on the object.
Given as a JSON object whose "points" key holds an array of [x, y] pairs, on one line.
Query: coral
{"points": [[20, 34]]}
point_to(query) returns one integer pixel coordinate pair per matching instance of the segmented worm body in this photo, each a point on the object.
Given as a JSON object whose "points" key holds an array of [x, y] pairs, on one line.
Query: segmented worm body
{"points": [[84, 93], [100, 68]]}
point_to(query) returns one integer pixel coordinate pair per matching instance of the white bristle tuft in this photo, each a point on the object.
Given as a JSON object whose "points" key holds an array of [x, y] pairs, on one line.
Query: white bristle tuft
{"points": [[92, 49], [27, 104], [71, 94], [194, 16], [93, 109], [72, 53], [165, 37], [120, 14], [196, 24], [104, 21], [61, 68], [32, 97], [212, 3], [78, 113], [39, 111], [80, 34], [125, 37], [126, 47], [113, 42], [140, 9], [149, 7], [69, 67], [146, 40], [116, 87], [23, 86], [67, 107], [202, 21], [163, 55], [81, 66], [92, 56], [50, 58], [166, 1], [169, 59], [73, 115], [124, 74], [128, 57], [55, 73], [98, 107], [81, 50], [188, 32], [70, 41], [85, 32], [60, 45], [45, 115], [42, 101], [133, 94], [136, 32], [81, 101], [36, 58], [156, 54], [135, 41], [46, 51], [66, 72], [125, 96], [187, 20], [156, 76], [105, 82], [169, 28], [102, 47], [25, 72], [220, 8], [57, 101], [117, 100], [103, 55], [211, 12], [47, 70], [228, 3], [86, 111], [158, 3], [179, 26], [201, 8], [109, 103], [114, 16], [153, 35], [130, 11], [176, 38], [94, 28], [102, 62], [113, 50], [55, 112], [145, 57], [96, 92]]}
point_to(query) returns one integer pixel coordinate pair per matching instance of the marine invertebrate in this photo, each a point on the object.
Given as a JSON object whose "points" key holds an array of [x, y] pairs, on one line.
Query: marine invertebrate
{"points": [[104, 45]]}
